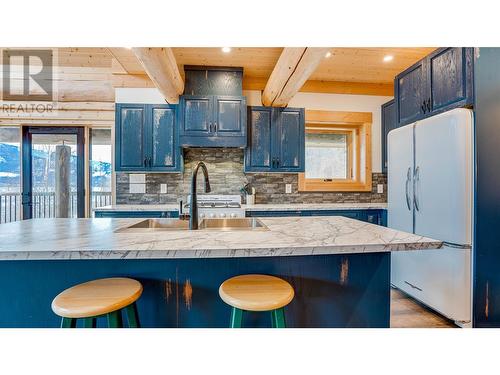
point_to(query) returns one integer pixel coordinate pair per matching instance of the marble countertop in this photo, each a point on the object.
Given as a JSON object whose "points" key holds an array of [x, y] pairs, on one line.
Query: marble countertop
{"points": [[255, 207], [38, 239]]}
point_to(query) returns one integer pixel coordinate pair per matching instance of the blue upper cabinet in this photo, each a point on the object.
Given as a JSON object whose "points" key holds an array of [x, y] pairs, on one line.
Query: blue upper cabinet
{"points": [[258, 153], [439, 82], [146, 138], [389, 122], [196, 116], [130, 133], [410, 89], [165, 150], [290, 140], [450, 77], [276, 140], [213, 121]]}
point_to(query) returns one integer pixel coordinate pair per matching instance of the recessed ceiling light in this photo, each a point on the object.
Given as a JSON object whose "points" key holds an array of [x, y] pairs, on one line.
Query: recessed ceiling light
{"points": [[226, 49], [388, 58], [328, 54]]}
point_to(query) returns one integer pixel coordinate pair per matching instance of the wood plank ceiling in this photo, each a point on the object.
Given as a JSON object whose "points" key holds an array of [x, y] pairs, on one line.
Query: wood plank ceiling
{"points": [[86, 74]]}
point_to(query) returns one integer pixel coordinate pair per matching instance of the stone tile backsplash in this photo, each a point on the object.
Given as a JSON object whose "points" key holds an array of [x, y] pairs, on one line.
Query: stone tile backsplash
{"points": [[225, 168]]}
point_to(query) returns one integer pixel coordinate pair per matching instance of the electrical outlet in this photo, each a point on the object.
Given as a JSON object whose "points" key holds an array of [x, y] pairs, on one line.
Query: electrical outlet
{"points": [[288, 188], [163, 188], [380, 188]]}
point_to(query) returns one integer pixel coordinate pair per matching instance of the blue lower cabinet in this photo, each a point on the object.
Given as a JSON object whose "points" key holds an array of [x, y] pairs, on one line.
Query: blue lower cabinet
{"points": [[136, 214], [374, 216], [340, 290]]}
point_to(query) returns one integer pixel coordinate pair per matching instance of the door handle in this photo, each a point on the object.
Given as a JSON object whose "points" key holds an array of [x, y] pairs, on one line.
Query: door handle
{"points": [[422, 107], [150, 162], [146, 161], [407, 192], [429, 105], [277, 162], [210, 127], [215, 126], [416, 179]]}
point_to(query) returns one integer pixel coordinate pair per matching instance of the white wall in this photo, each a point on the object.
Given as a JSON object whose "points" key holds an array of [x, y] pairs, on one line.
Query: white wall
{"points": [[328, 102], [138, 95], [339, 102]]}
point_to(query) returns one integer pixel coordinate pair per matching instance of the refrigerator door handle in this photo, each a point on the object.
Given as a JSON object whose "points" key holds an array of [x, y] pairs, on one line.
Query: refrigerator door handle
{"points": [[407, 190], [416, 180]]}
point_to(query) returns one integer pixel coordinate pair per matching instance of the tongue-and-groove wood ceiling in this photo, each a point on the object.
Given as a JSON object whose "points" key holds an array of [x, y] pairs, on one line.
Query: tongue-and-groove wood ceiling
{"points": [[88, 72]]}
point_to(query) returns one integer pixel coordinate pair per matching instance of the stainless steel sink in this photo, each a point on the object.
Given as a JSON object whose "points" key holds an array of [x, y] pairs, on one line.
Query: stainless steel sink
{"points": [[246, 223], [153, 225], [156, 225]]}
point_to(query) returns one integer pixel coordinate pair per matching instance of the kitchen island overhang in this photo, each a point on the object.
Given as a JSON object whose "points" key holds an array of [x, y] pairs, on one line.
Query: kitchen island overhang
{"points": [[339, 268]]}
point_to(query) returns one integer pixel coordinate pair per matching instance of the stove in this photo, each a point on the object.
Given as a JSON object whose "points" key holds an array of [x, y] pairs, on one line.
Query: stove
{"points": [[218, 206]]}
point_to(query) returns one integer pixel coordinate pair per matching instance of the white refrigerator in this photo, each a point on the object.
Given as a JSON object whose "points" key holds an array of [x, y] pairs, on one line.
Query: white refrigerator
{"points": [[430, 193]]}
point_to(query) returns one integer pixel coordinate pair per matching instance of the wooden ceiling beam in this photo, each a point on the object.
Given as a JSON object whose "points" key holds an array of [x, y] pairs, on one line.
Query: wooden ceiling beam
{"points": [[293, 69], [162, 69], [329, 87]]}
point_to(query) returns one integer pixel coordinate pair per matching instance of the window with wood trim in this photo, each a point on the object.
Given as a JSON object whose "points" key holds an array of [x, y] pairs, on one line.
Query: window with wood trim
{"points": [[338, 152]]}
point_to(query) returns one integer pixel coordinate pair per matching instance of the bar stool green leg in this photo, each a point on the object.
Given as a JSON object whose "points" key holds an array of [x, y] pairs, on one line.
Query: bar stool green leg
{"points": [[236, 317], [115, 319], [68, 323], [132, 316], [89, 323], [278, 318]]}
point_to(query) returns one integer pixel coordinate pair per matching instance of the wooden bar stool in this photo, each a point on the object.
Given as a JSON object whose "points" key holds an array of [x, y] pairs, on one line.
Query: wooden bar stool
{"points": [[257, 293], [99, 298]]}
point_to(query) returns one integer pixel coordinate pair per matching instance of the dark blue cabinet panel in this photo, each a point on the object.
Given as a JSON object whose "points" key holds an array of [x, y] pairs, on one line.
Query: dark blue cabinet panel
{"points": [[450, 77], [410, 89], [197, 115], [130, 133], [258, 151], [290, 141], [439, 82], [389, 122], [165, 151], [276, 140], [230, 116], [147, 138], [213, 121]]}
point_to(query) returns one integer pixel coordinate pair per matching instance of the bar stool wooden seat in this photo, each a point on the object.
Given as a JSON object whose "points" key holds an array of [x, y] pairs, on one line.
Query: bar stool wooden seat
{"points": [[257, 293], [99, 298]]}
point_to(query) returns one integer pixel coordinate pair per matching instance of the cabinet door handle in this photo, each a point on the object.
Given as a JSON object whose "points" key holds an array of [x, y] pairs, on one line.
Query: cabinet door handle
{"points": [[210, 127], [273, 163], [407, 190], [416, 181], [277, 162], [422, 107], [429, 105], [146, 161], [215, 126], [150, 162]]}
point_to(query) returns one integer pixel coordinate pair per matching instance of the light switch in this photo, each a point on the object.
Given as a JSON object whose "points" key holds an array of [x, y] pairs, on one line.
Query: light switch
{"points": [[380, 188], [288, 188], [163, 188]]}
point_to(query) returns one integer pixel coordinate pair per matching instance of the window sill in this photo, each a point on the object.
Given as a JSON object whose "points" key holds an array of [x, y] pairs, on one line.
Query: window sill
{"points": [[306, 186]]}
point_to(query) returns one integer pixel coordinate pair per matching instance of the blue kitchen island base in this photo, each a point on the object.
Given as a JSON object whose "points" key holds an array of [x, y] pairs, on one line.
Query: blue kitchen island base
{"points": [[351, 290]]}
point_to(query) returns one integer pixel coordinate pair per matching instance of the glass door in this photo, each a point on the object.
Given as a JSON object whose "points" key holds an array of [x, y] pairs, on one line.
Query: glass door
{"points": [[53, 172]]}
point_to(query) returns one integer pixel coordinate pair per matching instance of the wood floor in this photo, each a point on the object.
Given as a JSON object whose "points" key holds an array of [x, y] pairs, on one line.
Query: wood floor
{"points": [[408, 313]]}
